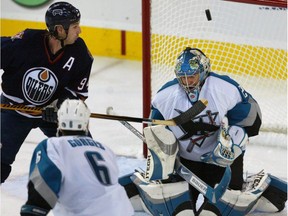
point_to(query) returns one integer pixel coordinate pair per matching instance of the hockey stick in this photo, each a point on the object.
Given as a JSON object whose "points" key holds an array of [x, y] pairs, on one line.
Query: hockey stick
{"points": [[184, 117], [212, 194]]}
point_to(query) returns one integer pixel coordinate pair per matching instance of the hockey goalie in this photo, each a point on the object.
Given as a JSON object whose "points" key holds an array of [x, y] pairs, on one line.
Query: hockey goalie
{"points": [[162, 190]]}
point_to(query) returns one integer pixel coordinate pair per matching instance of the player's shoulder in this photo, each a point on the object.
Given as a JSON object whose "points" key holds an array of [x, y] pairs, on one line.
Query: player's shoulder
{"points": [[225, 85], [29, 34], [80, 43], [169, 84], [169, 92], [81, 48], [218, 78], [26, 37], [36, 32], [41, 145]]}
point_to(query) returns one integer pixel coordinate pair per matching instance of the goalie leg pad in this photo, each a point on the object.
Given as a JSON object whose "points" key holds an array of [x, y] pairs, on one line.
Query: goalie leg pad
{"points": [[209, 209], [131, 191], [239, 203], [162, 150], [236, 203], [163, 198], [274, 197]]}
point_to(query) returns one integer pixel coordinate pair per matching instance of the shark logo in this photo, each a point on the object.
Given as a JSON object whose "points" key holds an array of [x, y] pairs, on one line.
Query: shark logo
{"points": [[39, 85], [199, 128]]}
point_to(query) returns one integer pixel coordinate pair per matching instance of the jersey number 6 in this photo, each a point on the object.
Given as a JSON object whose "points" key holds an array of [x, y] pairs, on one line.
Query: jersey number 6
{"points": [[100, 171]]}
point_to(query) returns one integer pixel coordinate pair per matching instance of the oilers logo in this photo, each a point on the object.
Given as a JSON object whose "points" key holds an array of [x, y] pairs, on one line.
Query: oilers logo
{"points": [[38, 85]]}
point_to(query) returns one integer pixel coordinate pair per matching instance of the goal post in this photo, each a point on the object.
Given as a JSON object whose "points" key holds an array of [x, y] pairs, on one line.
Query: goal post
{"points": [[246, 40]]}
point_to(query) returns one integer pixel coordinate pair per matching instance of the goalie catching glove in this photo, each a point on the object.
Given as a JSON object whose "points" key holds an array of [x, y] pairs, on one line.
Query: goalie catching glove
{"points": [[231, 143]]}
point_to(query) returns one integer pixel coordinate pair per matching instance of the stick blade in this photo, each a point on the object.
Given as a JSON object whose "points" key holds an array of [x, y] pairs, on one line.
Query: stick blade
{"points": [[196, 109]]}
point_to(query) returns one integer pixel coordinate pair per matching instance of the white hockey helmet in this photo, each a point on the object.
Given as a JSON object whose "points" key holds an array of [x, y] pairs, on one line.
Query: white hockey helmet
{"points": [[73, 115]]}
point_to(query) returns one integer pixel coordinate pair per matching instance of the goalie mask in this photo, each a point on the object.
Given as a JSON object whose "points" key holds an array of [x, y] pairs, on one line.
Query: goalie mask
{"points": [[73, 115], [191, 70]]}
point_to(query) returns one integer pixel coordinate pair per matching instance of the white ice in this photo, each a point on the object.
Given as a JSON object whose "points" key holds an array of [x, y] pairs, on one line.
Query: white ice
{"points": [[118, 83]]}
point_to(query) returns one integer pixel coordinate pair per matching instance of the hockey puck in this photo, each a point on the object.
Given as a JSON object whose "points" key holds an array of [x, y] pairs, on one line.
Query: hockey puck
{"points": [[208, 14]]}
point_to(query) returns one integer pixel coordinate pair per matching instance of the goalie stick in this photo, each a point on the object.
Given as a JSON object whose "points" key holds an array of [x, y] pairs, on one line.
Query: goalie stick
{"points": [[184, 117], [212, 194]]}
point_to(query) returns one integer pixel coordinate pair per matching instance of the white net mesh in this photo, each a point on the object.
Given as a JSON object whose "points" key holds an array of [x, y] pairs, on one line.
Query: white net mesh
{"points": [[245, 41]]}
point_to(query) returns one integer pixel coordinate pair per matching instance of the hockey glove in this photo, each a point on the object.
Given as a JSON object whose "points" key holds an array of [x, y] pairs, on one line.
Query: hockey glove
{"points": [[231, 143], [49, 113]]}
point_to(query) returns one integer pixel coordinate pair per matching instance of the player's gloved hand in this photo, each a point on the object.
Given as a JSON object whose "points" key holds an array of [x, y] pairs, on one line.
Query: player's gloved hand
{"points": [[231, 143], [49, 113]]}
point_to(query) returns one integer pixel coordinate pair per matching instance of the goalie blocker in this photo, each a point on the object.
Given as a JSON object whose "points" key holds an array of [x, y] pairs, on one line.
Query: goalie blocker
{"points": [[162, 150], [150, 193]]}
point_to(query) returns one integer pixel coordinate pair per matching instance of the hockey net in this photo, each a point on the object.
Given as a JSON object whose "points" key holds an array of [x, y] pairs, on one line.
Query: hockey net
{"points": [[246, 41]]}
